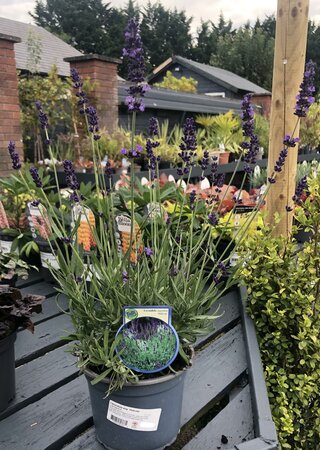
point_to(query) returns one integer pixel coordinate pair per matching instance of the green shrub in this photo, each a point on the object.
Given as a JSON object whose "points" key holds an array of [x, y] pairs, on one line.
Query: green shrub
{"points": [[283, 284], [183, 84]]}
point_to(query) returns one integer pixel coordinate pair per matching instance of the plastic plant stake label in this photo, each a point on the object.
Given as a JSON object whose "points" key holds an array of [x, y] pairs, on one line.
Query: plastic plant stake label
{"points": [[123, 231], [5, 246], [133, 418], [147, 344], [49, 260], [158, 312], [84, 219], [3, 218], [39, 222]]}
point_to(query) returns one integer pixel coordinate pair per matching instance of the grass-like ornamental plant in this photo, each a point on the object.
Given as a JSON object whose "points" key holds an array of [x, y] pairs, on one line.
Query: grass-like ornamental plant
{"points": [[283, 283], [123, 248]]}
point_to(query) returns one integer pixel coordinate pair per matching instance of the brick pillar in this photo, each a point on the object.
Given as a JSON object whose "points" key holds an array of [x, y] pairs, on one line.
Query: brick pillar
{"points": [[10, 128], [102, 71]]}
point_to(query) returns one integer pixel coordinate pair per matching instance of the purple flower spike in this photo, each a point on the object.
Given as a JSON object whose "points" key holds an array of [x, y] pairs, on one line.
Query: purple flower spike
{"points": [[36, 177], [252, 145], [15, 158], [148, 251], [134, 53], [213, 219], [192, 199], [301, 186], [125, 276], [290, 141], [43, 118], [281, 160], [153, 127], [71, 178], [305, 98]]}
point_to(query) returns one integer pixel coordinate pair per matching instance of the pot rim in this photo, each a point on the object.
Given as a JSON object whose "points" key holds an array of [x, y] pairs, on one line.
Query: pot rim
{"points": [[161, 379]]}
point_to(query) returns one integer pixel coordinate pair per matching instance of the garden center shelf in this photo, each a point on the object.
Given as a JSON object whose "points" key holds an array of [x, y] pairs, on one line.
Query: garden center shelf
{"points": [[227, 169], [225, 400]]}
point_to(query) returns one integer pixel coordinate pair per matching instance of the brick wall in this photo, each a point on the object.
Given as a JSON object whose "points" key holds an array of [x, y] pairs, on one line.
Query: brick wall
{"points": [[102, 71], [9, 102], [264, 102]]}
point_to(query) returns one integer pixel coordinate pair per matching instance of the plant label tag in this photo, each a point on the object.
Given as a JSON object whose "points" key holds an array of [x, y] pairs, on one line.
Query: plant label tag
{"points": [[83, 218], [49, 260], [147, 344], [158, 312], [234, 259], [5, 246], [133, 418], [123, 231], [3, 218], [39, 222]]}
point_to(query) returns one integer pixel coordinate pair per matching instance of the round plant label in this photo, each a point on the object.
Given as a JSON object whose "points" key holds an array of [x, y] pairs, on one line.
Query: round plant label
{"points": [[147, 344]]}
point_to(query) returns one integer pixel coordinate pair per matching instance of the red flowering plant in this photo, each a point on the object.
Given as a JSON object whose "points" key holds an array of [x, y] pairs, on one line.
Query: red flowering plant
{"points": [[126, 248]]}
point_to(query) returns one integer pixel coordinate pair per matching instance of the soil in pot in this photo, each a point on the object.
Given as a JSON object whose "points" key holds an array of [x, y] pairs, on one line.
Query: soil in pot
{"points": [[142, 416], [7, 371]]}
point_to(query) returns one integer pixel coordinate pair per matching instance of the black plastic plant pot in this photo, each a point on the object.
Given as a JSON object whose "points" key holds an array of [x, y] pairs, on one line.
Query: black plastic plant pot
{"points": [[7, 371], [142, 416], [47, 257]]}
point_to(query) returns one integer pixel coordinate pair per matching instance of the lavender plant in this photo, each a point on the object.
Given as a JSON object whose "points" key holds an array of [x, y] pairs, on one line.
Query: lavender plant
{"points": [[160, 258]]}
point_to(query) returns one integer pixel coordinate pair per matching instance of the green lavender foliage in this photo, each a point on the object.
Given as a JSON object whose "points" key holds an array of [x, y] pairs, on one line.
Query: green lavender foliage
{"points": [[283, 283]]}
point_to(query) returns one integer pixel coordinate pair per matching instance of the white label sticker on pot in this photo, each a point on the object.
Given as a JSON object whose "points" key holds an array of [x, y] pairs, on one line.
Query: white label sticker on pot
{"points": [[48, 259], [5, 246], [133, 418]]}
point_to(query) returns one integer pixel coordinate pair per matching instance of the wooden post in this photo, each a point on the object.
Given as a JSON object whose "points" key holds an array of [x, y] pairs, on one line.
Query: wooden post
{"points": [[288, 69]]}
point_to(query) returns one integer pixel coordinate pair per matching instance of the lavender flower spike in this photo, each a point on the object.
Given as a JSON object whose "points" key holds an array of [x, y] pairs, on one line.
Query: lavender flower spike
{"points": [[71, 178], [305, 98], [43, 118], [134, 53], [36, 177], [15, 159]]}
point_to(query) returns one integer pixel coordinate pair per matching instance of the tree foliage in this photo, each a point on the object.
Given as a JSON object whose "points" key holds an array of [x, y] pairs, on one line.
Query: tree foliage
{"points": [[92, 26]]}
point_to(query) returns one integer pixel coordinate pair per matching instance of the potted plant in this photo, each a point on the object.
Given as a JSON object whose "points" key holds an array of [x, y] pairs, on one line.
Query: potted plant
{"points": [[137, 281], [15, 313], [223, 135], [12, 267]]}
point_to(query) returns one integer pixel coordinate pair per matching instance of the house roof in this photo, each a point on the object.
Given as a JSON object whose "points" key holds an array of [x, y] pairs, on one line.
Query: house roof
{"points": [[54, 49], [224, 77], [167, 99]]}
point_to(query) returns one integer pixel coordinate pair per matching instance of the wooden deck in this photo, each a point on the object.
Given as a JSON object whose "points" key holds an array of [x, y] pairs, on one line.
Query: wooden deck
{"points": [[225, 403]]}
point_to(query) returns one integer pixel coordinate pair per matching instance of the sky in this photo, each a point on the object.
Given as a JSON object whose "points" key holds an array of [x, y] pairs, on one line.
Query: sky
{"points": [[238, 11]]}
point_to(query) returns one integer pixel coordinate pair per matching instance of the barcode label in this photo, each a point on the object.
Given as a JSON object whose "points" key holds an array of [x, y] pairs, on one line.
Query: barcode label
{"points": [[133, 418], [119, 421]]}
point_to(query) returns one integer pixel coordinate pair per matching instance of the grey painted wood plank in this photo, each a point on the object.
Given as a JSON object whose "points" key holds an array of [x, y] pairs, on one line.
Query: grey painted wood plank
{"points": [[50, 308], [49, 422], [85, 441], [41, 376], [34, 277], [215, 367], [235, 422], [257, 444], [228, 310], [40, 288], [47, 335]]}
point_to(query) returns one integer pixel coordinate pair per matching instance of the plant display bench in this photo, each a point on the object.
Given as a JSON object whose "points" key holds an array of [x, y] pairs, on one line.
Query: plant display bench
{"points": [[225, 400]]}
